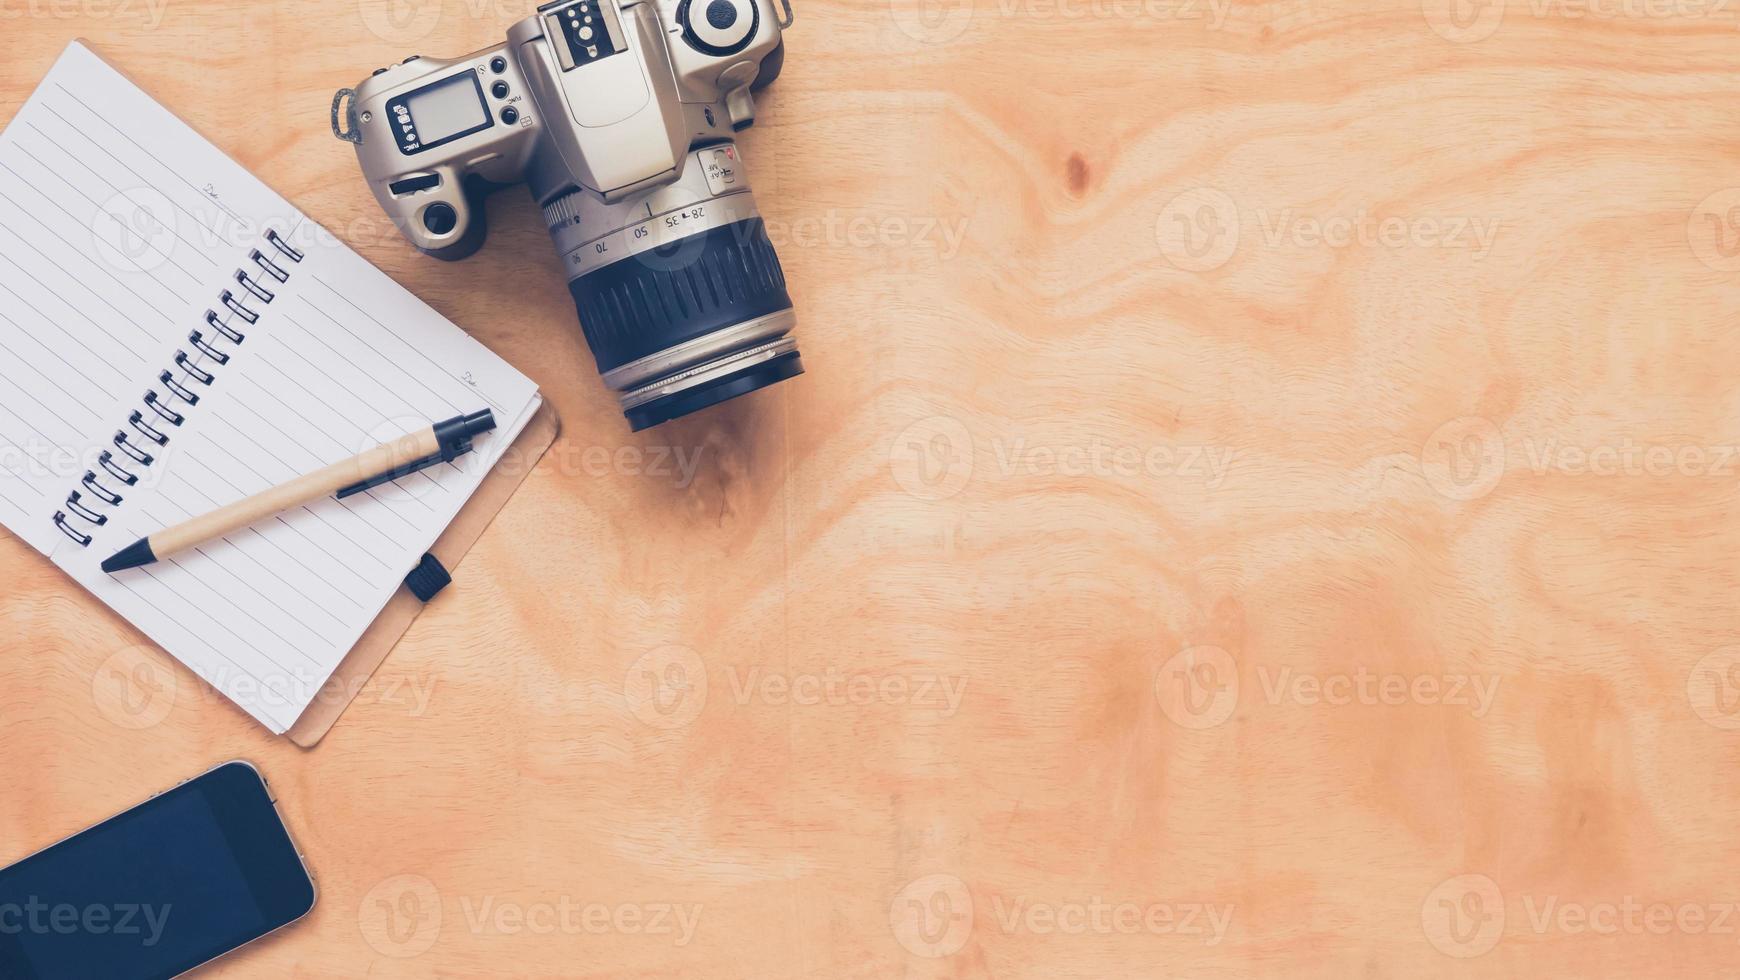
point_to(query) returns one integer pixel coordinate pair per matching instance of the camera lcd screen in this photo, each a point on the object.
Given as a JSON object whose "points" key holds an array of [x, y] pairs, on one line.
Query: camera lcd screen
{"points": [[447, 109]]}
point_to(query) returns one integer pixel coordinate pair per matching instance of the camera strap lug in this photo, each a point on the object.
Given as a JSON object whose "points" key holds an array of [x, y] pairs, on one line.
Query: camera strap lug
{"points": [[790, 18], [740, 103], [352, 134]]}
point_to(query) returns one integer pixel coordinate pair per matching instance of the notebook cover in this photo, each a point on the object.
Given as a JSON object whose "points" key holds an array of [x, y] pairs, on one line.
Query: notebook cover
{"points": [[380, 638]]}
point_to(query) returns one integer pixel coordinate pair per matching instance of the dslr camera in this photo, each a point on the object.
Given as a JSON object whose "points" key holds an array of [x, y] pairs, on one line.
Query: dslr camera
{"points": [[619, 116]]}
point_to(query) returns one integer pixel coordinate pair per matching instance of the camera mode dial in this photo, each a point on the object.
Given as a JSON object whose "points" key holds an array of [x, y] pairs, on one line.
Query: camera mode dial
{"points": [[719, 27]]}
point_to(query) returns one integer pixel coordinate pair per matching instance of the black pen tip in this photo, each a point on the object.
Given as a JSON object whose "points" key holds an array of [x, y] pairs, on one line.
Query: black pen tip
{"points": [[136, 554]]}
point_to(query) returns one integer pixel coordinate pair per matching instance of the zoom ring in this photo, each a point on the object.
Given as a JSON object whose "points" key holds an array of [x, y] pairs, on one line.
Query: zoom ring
{"points": [[663, 297]]}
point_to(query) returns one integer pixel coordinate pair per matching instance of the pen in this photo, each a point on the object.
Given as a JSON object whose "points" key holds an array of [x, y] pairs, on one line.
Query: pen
{"points": [[440, 443]]}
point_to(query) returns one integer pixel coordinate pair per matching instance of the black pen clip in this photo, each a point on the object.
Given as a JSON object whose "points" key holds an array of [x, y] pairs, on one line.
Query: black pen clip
{"points": [[454, 437], [400, 473]]}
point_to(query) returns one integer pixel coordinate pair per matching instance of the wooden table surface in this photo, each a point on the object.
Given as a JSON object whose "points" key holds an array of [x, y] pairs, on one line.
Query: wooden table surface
{"points": [[1262, 503]]}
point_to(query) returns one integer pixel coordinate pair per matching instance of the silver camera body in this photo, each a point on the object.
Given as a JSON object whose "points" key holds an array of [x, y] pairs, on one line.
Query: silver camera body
{"points": [[619, 116]]}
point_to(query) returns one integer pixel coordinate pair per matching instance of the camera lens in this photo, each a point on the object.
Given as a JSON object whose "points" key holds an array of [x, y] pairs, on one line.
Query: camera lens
{"points": [[679, 292]]}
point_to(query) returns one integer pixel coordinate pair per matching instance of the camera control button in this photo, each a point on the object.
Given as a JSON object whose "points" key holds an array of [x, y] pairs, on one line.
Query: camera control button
{"points": [[499, 90], [440, 218], [510, 115], [498, 64]]}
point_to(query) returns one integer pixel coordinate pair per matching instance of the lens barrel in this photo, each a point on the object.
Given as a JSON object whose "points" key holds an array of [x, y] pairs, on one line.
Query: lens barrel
{"points": [[680, 295]]}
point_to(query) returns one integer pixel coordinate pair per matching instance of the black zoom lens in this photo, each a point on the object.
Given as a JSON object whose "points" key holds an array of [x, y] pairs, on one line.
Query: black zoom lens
{"points": [[690, 323]]}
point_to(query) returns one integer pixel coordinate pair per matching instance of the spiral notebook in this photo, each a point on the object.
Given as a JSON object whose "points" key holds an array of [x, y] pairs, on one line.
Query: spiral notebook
{"points": [[175, 336]]}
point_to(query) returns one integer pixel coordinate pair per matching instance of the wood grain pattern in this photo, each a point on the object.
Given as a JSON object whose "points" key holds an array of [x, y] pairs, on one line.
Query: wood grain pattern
{"points": [[1267, 457]]}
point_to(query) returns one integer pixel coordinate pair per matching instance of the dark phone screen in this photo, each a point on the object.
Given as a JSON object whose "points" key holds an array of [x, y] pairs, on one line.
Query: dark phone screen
{"points": [[154, 891]]}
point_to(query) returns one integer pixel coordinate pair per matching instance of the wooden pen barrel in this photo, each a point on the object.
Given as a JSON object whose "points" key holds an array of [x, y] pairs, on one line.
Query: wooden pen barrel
{"points": [[320, 483]]}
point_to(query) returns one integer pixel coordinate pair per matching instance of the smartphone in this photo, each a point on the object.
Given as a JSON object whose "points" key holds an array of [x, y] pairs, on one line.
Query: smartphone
{"points": [[177, 881]]}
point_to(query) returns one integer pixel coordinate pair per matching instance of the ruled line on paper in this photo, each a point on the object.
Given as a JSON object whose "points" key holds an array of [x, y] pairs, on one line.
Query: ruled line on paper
{"points": [[167, 168], [99, 266], [181, 297], [413, 348], [198, 250]]}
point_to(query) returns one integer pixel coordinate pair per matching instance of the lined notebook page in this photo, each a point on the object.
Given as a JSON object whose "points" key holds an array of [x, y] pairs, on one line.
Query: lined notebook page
{"points": [[119, 230], [94, 290]]}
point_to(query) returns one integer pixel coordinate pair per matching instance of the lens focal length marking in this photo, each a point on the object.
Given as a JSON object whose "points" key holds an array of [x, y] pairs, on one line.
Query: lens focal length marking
{"points": [[661, 229]]}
